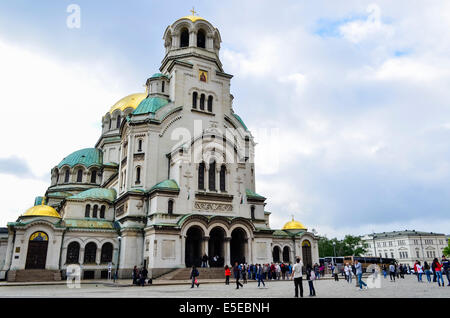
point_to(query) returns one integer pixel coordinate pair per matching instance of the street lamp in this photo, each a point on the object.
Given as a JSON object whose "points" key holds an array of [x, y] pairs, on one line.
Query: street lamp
{"points": [[334, 248], [119, 238]]}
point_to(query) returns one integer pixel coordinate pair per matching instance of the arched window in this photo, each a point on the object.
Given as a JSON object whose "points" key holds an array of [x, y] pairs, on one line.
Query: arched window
{"points": [[210, 103], [94, 211], [223, 171], [93, 176], [212, 176], [194, 100], [87, 212], [57, 176], [184, 38], [162, 87], [106, 254], [73, 253], [201, 39], [110, 122], [140, 145], [202, 102], [66, 176], [170, 207], [201, 176], [118, 121], [79, 175], [252, 212], [90, 252], [138, 175], [102, 212]]}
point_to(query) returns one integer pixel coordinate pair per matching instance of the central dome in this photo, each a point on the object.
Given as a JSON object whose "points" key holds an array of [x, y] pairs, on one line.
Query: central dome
{"points": [[132, 101]]}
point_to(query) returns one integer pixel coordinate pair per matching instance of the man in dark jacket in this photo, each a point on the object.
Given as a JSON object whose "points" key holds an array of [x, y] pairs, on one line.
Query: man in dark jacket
{"points": [[237, 275], [194, 275], [446, 268]]}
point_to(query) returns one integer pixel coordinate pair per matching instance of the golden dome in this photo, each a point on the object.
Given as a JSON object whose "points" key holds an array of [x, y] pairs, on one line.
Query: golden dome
{"points": [[132, 101], [193, 18], [294, 225], [42, 210]]}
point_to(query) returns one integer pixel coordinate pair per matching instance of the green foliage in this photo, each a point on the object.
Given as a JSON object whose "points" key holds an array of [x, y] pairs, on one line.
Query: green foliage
{"points": [[349, 246], [446, 250]]}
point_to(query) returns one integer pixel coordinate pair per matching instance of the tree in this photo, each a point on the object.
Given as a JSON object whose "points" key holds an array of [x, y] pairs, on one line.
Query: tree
{"points": [[446, 250], [349, 246]]}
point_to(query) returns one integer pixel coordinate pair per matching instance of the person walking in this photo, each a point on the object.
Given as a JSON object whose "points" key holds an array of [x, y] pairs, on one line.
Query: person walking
{"points": [[143, 276], [260, 275], [438, 271], [419, 272], [427, 270], [384, 271], [446, 268], [358, 269], [392, 272], [310, 276], [244, 273], [237, 275], [227, 275], [297, 275], [194, 275], [135, 275]]}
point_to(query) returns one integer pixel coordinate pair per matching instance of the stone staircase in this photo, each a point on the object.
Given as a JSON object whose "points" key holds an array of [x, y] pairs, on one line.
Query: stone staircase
{"points": [[34, 275], [205, 273]]}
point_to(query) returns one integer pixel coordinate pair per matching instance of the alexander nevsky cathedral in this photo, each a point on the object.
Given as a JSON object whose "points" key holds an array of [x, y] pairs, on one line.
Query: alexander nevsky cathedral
{"points": [[171, 179]]}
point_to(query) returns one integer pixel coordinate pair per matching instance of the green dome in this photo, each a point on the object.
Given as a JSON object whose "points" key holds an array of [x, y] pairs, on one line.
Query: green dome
{"points": [[169, 184], [150, 105], [240, 120], [95, 194], [86, 157], [156, 75]]}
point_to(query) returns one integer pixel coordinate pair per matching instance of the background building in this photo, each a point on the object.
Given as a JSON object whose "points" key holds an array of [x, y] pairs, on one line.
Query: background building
{"points": [[406, 246]]}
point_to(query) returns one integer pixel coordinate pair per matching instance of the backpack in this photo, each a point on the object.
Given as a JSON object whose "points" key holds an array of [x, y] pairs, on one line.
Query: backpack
{"points": [[313, 275]]}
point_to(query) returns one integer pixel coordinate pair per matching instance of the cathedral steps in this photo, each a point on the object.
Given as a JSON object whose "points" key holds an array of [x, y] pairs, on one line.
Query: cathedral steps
{"points": [[34, 275], [205, 273]]}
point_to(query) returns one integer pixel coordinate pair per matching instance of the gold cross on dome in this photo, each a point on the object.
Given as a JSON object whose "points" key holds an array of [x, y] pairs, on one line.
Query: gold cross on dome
{"points": [[193, 11]]}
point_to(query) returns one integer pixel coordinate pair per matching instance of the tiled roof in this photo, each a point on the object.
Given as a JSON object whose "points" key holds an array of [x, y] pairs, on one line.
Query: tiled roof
{"points": [[95, 194], [150, 105]]}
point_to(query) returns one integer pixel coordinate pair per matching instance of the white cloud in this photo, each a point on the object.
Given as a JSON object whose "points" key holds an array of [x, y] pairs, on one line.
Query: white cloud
{"points": [[359, 30], [50, 109]]}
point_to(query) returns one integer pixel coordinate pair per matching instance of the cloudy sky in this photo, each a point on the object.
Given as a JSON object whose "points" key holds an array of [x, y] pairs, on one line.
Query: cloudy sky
{"points": [[349, 101]]}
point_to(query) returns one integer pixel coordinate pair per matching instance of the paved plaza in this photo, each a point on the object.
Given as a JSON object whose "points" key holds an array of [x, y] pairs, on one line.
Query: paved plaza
{"points": [[408, 287]]}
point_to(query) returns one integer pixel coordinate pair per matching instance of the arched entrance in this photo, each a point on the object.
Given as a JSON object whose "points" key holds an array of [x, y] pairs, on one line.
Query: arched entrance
{"points": [[237, 246], [193, 251], [286, 254], [306, 252], [37, 251], [276, 254], [216, 247]]}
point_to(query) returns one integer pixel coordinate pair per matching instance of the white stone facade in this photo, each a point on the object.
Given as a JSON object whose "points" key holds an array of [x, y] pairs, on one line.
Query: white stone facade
{"points": [[406, 246], [150, 158]]}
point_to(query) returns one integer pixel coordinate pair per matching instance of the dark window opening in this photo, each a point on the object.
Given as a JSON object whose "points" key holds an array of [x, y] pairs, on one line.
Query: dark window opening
{"points": [[94, 211], [252, 212], [73, 253], [93, 176], [90, 252], [210, 103], [202, 102], [162, 87], [138, 175], [87, 212], [170, 207], [201, 39], [102, 212], [223, 171], [201, 176], [118, 121], [106, 254], [184, 39], [194, 100], [212, 176], [66, 176]]}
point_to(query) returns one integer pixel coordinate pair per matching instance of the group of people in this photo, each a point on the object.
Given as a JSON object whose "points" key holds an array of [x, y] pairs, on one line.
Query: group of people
{"points": [[261, 272], [140, 276], [438, 269]]}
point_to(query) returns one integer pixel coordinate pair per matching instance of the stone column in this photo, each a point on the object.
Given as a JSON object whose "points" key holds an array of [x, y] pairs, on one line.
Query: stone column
{"points": [[183, 249], [227, 251], [205, 245], [81, 255]]}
